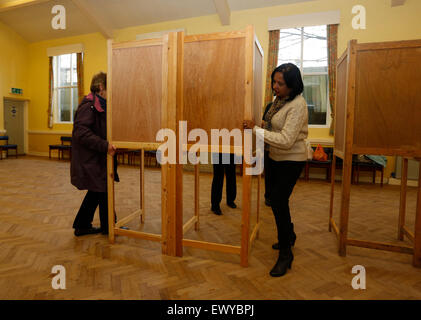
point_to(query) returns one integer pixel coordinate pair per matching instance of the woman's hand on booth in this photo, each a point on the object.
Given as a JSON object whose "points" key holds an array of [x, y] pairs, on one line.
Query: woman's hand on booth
{"points": [[248, 124]]}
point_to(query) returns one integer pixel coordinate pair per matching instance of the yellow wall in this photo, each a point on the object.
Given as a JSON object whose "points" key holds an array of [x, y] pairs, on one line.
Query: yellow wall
{"points": [[13, 66], [384, 23], [95, 60]]}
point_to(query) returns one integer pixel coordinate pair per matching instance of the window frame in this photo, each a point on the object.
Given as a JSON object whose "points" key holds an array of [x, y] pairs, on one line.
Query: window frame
{"points": [[328, 106], [56, 96]]}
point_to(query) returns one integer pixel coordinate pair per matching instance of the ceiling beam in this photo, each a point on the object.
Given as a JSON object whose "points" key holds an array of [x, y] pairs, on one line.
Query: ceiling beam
{"points": [[90, 12], [16, 4], [223, 10], [396, 3]]}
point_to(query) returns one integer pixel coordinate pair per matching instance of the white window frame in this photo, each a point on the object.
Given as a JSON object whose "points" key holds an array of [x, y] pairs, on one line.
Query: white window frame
{"points": [[55, 52], [328, 108], [308, 20], [56, 96]]}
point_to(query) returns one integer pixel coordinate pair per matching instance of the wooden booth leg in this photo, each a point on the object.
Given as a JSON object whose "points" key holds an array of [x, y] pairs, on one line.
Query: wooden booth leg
{"points": [[402, 205], [332, 190], [142, 186], [196, 194], [417, 233], [259, 179], [346, 191], [245, 220], [110, 187]]}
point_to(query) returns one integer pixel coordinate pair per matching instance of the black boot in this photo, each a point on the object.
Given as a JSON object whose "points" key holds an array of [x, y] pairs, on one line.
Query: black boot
{"points": [[284, 262], [292, 238]]}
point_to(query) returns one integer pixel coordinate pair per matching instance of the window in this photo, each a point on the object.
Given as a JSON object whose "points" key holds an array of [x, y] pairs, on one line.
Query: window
{"points": [[65, 87], [307, 48]]}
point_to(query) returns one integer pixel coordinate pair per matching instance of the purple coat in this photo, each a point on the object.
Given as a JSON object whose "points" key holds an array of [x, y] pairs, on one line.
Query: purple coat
{"points": [[88, 168]]}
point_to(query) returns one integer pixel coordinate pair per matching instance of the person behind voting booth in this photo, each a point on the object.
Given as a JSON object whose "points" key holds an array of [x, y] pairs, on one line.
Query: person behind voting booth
{"points": [[285, 129], [223, 163], [89, 157]]}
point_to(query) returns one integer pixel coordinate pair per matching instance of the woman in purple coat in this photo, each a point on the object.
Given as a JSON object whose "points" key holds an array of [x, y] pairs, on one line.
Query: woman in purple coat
{"points": [[89, 157]]}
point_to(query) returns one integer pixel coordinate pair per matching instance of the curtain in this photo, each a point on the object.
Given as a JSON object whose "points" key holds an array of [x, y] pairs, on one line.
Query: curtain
{"points": [[80, 89], [315, 93], [272, 63], [332, 47], [50, 93]]}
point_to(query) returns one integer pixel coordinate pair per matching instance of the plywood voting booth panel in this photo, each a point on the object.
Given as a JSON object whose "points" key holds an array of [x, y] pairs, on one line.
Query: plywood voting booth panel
{"points": [[223, 87], [378, 112], [214, 78], [137, 92], [211, 81]]}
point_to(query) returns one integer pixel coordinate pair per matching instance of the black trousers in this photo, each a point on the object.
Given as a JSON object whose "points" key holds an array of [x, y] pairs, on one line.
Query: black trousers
{"points": [[218, 181], [87, 209], [282, 179]]}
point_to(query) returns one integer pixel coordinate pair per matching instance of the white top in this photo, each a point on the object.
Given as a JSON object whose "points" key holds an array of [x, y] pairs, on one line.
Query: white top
{"points": [[289, 131]]}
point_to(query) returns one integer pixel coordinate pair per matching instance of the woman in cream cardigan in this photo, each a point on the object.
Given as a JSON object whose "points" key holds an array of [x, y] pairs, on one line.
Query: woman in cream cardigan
{"points": [[285, 130]]}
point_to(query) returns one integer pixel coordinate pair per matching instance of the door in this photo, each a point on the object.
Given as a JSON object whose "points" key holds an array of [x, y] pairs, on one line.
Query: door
{"points": [[14, 123]]}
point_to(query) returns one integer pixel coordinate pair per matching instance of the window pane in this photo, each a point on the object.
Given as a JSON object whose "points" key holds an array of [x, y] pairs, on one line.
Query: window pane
{"points": [[315, 49], [75, 101], [64, 72], [74, 69], [64, 104], [316, 95], [290, 46]]}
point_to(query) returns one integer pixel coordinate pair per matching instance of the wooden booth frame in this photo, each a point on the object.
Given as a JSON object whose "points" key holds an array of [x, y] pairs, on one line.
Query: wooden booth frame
{"points": [[366, 123], [173, 102]]}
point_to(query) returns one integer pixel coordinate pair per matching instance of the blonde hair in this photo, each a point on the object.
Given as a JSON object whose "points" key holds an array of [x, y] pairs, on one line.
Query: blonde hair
{"points": [[99, 78]]}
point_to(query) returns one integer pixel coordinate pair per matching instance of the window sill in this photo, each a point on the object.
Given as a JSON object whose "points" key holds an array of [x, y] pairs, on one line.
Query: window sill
{"points": [[319, 126], [64, 122]]}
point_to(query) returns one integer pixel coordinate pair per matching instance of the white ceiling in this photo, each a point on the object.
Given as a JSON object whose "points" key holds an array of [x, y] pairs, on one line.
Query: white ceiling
{"points": [[33, 22]]}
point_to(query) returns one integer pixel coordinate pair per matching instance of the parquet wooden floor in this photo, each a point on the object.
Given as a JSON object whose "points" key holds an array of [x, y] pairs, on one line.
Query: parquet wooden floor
{"points": [[38, 205]]}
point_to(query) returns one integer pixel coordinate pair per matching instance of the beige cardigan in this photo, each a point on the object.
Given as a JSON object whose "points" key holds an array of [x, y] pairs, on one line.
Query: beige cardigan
{"points": [[289, 131]]}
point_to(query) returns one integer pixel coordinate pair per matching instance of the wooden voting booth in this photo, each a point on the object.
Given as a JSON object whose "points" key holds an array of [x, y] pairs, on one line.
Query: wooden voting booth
{"points": [[142, 98], [378, 112], [212, 81]]}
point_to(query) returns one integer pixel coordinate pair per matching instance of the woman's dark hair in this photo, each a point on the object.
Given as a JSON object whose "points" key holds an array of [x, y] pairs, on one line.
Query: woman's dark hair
{"points": [[99, 78], [292, 77]]}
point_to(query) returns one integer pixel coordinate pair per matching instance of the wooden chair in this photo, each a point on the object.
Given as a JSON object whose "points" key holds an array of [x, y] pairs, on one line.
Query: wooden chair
{"points": [[320, 164], [7, 147], [62, 147], [121, 155], [367, 165]]}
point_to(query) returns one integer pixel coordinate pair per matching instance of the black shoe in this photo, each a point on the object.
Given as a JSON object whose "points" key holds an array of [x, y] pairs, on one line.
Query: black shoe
{"points": [[231, 205], [92, 230], [216, 210], [267, 202], [283, 263]]}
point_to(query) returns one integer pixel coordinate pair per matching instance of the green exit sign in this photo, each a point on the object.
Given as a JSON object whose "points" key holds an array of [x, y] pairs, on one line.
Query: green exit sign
{"points": [[17, 91]]}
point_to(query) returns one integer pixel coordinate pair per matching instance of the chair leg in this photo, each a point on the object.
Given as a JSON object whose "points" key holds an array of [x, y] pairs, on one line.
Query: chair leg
{"points": [[381, 181], [358, 174], [374, 175]]}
